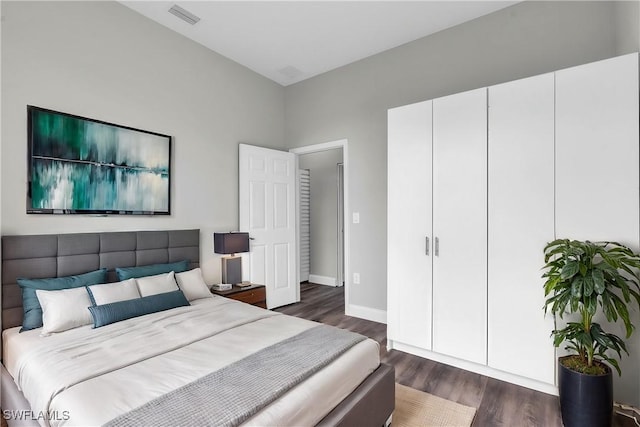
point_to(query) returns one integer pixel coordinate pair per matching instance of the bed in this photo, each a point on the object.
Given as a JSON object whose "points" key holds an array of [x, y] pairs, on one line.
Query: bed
{"points": [[200, 360]]}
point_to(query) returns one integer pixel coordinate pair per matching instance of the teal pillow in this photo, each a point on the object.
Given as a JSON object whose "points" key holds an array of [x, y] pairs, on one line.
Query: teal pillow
{"points": [[122, 310], [32, 311], [125, 273]]}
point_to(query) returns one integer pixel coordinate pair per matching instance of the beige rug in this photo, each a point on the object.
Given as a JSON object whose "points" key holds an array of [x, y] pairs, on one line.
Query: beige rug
{"points": [[416, 408]]}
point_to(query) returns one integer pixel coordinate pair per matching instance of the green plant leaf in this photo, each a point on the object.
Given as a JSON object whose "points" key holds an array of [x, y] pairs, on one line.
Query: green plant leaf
{"points": [[550, 253], [614, 363], [555, 243], [569, 270], [621, 308], [609, 308], [576, 287], [589, 285], [600, 337], [550, 284], [559, 302], [591, 305], [611, 260], [621, 283], [582, 268], [598, 280], [558, 339]]}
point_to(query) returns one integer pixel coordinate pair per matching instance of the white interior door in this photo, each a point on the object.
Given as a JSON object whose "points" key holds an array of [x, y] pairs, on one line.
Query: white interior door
{"points": [[460, 225], [267, 187], [521, 221]]}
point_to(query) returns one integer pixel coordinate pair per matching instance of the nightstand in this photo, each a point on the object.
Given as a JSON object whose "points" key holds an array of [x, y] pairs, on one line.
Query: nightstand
{"points": [[254, 294]]}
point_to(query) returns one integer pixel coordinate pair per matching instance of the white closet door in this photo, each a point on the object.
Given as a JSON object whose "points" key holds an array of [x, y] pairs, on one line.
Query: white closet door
{"points": [[460, 225], [521, 208], [597, 170], [409, 225], [597, 151]]}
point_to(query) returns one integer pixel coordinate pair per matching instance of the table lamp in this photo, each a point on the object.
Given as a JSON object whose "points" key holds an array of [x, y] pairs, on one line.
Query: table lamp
{"points": [[231, 244]]}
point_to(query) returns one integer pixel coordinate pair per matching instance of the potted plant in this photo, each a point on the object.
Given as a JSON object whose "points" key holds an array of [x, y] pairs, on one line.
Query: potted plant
{"points": [[587, 278]]}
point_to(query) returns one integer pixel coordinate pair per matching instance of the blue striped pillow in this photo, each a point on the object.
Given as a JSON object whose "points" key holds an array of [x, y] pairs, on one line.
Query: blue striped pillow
{"points": [[122, 310]]}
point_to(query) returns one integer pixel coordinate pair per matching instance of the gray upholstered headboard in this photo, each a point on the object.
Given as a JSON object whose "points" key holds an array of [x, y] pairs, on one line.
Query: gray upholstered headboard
{"points": [[57, 255]]}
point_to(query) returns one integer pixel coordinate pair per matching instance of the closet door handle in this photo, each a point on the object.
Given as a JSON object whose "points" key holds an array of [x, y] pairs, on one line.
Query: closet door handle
{"points": [[436, 249], [427, 246]]}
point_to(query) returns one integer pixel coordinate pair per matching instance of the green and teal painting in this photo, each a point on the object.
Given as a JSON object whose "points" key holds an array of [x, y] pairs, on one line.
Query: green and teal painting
{"points": [[87, 166]]}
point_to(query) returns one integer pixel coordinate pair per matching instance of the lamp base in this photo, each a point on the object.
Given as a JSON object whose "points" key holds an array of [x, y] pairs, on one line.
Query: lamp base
{"points": [[232, 270]]}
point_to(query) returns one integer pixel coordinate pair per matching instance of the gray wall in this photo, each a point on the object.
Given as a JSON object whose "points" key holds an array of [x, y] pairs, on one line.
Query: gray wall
{"points": [[324, 207], [627, 23], [351, 102], [104, 61]]}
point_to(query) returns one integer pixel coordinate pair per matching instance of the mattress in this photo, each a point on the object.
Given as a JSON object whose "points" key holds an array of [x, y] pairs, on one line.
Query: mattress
{"points": [[68, 373]]}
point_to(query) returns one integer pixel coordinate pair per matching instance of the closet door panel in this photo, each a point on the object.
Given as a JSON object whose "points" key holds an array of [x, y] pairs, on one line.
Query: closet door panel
{"points": [[520, 224], [409, 225], [597, 169], [460, 225], [597, 151]]}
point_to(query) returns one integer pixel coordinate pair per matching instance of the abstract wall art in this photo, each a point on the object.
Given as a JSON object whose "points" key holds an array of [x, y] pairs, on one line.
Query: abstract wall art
{"points": [[85, 166]]}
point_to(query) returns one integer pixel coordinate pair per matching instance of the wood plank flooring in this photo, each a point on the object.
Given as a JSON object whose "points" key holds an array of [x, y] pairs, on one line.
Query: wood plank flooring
{"points": [[498, 403]]}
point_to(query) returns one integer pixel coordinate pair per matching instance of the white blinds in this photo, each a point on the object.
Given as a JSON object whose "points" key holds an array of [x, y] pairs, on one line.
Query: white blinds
{"points": [[304, 179]]}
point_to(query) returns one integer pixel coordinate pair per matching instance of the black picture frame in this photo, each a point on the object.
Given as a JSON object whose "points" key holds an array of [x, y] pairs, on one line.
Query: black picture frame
{"points": [[79, 165]]}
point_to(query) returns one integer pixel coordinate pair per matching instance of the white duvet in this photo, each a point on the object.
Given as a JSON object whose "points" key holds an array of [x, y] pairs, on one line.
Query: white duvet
{"points": [[89, 376]]}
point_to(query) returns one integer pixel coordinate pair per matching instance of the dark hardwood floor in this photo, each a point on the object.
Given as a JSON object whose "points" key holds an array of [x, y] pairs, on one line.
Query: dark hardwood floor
{"points": [[498, 403]]}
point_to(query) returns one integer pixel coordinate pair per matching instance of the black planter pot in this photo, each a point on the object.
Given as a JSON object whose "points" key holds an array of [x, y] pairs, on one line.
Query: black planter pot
{"points": [[585, 400]]}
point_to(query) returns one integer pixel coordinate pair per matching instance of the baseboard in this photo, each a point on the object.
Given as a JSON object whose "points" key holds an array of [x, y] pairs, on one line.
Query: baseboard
{"points": [[366, 313], [322, 280], [474, 367]]}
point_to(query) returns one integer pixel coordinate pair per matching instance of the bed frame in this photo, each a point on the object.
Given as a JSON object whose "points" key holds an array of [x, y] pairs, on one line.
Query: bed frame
{"points": [[57, 255]]}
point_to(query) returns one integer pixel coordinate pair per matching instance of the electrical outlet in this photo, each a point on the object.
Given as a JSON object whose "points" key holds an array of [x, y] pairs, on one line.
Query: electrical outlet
{"points": [[356, 278], [356, 217]]}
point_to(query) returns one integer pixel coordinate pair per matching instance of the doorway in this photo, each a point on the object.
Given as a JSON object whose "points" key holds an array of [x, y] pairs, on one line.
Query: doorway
{"points": [[340, 229], [320, 237], [330, 266]]}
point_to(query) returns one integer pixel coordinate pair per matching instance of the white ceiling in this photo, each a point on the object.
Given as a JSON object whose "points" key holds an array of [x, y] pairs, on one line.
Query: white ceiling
{"points": [[290, 41]]}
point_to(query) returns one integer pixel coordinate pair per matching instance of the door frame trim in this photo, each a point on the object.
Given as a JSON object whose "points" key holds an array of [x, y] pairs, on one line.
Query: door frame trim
{"points": [[316, 148]]}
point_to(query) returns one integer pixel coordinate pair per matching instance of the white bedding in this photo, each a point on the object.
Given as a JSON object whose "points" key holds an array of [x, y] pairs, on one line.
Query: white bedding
{"points": [[87, 372]]}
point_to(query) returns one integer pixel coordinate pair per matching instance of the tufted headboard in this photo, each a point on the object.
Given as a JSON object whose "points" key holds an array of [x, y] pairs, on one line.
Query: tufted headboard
{"points": [[57, 255]]}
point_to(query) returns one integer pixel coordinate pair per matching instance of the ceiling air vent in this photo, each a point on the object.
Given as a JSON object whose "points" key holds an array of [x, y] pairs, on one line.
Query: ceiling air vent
{"points": [[183, 14], [291, 72]]}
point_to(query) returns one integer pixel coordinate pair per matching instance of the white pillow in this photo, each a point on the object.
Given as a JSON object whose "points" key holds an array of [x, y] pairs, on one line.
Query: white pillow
{"points": [[192, 285], [158, 284], [64, 309], [113, 292]]}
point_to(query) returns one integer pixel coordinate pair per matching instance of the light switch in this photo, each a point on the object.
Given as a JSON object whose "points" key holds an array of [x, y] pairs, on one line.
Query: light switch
{"points": [[356, 217]]}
